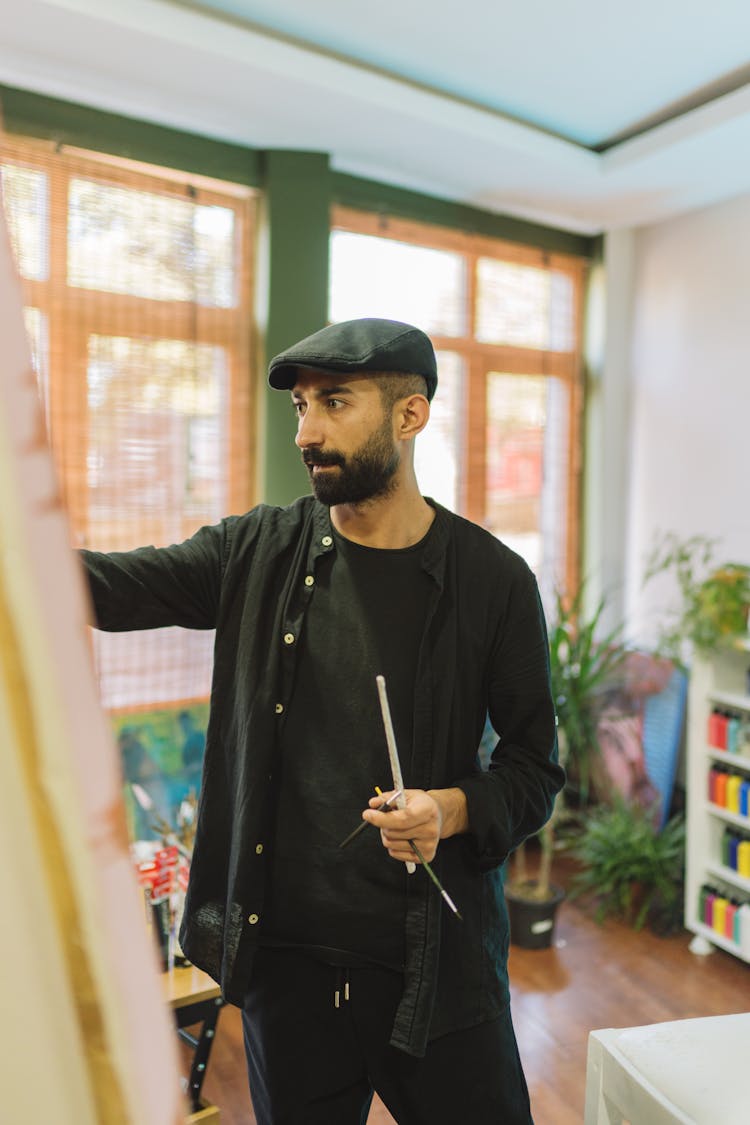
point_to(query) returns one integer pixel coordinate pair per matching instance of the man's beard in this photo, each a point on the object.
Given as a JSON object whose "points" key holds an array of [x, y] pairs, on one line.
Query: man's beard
{"points": [[364, 475]]}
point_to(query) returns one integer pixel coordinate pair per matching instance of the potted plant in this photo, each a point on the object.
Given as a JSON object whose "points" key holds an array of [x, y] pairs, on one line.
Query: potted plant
{"points": [[582, 665], [532, 901], [629, 869], [715, 599]]}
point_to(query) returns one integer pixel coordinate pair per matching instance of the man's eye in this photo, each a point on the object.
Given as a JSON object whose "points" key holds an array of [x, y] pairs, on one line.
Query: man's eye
{"points": [[298, 407], [335, 403]]}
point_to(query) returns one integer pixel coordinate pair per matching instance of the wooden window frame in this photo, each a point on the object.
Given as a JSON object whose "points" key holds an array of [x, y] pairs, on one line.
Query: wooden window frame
{"points": [[481, 358], [74, 313]]}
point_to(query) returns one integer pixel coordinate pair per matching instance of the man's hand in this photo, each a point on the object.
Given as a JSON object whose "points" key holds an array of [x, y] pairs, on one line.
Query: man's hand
{"points": [[427, 818]]}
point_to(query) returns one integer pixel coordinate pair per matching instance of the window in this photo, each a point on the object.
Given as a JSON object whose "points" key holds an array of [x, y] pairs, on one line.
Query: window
{"points": [[137, 288], [503, 444]]}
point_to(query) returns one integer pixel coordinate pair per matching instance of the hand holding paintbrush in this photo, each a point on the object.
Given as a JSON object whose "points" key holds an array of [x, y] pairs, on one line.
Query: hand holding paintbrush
{"points": [[386, 807], [398, 798], [382, 807]]}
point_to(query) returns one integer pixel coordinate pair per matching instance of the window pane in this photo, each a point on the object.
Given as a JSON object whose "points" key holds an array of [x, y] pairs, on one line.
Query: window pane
{"points": [[523, 306], [157, 439], [527, 469], [437, 452], [149, 394], [25, 196], [170, 664], [382, 277], [125, 241]]}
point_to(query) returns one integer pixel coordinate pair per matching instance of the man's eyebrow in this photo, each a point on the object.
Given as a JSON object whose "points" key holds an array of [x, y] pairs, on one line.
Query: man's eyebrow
{"points": [[325, 392]]}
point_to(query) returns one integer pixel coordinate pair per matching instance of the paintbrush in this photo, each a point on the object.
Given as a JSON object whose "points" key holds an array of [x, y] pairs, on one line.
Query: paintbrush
{"points": [[432, 874], [390, 738], [365, 823]]}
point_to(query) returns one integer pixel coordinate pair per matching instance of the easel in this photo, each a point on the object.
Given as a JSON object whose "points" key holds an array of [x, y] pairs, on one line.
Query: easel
{"points": [[195, 998]]}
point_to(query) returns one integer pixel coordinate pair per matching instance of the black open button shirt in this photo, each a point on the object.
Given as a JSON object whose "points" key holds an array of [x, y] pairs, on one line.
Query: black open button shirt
{"points": [[484, 649]]}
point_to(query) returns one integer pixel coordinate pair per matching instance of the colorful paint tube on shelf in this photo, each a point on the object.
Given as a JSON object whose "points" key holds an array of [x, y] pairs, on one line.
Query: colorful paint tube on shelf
{"points": [[735, 851], [728, 915], [729, 730], [729, 789], [743, 858]]}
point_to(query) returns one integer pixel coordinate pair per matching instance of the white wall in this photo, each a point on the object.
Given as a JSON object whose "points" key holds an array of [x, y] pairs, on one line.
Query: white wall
{"points": [[689, 393], [607, 348]]}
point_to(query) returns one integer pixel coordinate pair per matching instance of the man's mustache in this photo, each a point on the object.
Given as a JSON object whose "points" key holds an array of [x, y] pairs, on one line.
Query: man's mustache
{"points": [[313, 457]]}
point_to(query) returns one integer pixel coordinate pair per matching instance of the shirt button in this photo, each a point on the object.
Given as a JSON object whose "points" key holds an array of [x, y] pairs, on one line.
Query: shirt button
{"points": [[279, 708], [288, 638], [326, 541], [309, 580], [259, 849], [253, 919]]}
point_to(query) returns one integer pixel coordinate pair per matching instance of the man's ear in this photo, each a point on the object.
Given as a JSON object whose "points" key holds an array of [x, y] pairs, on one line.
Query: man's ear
{"points": [[413, 414]]}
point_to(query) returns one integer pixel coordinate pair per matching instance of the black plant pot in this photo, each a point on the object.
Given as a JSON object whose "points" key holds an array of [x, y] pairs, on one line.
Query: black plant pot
{"points": [[532, 922]]}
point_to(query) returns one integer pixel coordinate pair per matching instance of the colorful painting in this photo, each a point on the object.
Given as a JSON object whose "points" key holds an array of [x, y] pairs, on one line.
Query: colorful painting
{"points": [[161, 754]]}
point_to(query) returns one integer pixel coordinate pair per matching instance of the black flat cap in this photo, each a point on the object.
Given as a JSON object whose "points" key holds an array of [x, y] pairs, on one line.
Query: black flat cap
{"points": [[359, 346]]}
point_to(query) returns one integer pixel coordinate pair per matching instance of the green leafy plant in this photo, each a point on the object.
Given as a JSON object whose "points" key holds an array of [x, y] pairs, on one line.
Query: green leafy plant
{"points": [[715, 600], [583, 664], [630, 869]]}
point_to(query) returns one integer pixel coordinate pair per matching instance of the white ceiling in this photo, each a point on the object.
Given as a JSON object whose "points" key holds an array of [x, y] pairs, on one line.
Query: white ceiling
{"points": [[589, 115]]}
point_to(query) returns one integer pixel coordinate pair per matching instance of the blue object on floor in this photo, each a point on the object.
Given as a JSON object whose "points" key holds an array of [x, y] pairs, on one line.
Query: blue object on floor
{"points": [[663, 720]]}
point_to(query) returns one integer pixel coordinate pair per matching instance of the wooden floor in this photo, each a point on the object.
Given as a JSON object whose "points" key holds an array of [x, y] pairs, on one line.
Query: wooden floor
{"points": [[595, 976]]}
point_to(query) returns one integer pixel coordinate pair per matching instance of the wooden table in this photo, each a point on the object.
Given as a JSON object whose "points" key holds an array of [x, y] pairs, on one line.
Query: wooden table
{"points": [[195, 998]]}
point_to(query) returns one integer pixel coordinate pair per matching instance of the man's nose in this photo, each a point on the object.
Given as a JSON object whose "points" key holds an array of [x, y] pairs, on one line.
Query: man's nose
{"points": [[309, 430]]}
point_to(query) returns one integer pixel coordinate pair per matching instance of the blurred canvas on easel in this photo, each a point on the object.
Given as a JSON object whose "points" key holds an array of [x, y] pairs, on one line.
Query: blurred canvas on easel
{"points": [[80, 988]]}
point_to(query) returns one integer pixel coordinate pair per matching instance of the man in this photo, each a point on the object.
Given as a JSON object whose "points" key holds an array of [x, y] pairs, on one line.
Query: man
{"points": [[353, 975]]}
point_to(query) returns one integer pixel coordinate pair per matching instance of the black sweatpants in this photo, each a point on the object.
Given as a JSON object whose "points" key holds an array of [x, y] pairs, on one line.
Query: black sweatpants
{"points": [[315, 1059]]}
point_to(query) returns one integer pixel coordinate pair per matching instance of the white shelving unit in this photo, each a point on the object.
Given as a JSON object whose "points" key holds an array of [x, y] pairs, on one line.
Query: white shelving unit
{"points": [[718, 682]]}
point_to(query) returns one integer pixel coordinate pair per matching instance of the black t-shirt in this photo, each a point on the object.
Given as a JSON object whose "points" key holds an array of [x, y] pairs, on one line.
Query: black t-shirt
{"points": [[366, 618]]}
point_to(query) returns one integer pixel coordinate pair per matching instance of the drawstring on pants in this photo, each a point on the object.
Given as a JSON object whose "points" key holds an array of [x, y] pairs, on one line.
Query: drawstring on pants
{"points": [[342, 986]]}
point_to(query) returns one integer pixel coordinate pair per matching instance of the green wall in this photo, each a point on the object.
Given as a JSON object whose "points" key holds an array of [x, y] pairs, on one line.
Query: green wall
{"points": [[82, 127], [297, 204], [298, 190]]}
